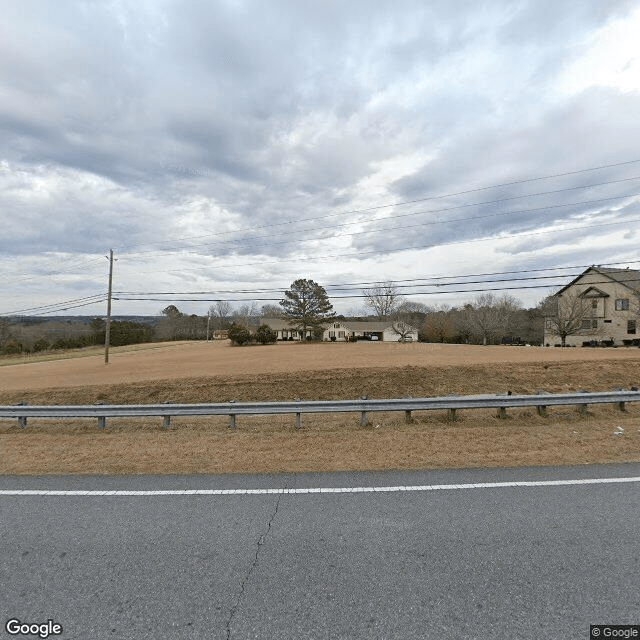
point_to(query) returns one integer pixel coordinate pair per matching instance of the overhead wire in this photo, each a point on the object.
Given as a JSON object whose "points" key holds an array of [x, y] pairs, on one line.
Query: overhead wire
{"points": [[402, 203], [381, 252], [404, 215]]}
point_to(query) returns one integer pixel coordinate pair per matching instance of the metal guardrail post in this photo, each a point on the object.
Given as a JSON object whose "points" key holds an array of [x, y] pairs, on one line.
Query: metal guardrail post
{"points": [[541, 408], [102, 420], [167, 419], [621, 405], [363, 415], [451, 413], [502, 411], [298, 417], [407, 414], [232, 417], [583, 408], [22, 420]]}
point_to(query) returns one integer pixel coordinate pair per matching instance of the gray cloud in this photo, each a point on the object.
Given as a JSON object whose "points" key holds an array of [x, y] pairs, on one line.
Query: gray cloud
{"points": [[198, 127]]}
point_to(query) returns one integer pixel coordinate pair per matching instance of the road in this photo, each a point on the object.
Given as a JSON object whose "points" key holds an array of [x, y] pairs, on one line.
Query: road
{"points": [[505, 561]]}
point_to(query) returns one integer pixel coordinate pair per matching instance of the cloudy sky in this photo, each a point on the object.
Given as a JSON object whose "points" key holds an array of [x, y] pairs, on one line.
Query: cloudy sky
{"points": [[231, 147]]}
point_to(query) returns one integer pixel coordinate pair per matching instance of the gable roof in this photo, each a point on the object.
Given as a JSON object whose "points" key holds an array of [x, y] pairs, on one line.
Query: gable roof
{"points": [[630, 278], [593, 292]]}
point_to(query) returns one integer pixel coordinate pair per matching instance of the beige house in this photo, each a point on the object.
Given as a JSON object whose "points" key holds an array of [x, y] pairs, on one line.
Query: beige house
{"points": [[283, 329], [601, 306], [344, 330]]}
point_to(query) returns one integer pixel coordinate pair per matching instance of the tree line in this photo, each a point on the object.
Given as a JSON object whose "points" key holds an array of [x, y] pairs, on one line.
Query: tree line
{"points": [[486, 319]]}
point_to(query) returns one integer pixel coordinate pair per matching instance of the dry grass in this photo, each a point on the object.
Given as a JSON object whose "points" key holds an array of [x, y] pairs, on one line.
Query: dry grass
{"points": [[260, 445], [328, 443], [66, 354]]}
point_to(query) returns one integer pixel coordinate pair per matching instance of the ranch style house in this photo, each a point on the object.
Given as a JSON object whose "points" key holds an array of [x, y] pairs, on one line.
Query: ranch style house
{"points": [[606, 306], [344, 330]]}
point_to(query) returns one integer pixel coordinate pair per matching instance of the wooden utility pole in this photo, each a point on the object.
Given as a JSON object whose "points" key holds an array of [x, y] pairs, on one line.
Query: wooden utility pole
{"points": [[108, 327]]}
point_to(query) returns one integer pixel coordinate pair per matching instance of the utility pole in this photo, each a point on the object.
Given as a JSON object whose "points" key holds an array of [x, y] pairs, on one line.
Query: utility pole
{"points": [[108, 327]]}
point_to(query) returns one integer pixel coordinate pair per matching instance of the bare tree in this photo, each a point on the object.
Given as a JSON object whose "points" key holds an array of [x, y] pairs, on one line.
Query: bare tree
{"points": [[440, 324], [383, 299], [569, 314], [400, 321], [489, 317], [270, 311], [220, 314], [246, 315]]}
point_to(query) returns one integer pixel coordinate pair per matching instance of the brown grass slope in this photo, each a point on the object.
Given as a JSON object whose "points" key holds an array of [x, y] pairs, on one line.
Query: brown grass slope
{"points": [[325, 443]]}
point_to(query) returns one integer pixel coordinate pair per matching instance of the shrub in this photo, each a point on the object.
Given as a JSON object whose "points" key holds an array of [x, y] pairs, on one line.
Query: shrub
{"points": [[12, 347], [239, 335], [41, 344], [264, 335]]}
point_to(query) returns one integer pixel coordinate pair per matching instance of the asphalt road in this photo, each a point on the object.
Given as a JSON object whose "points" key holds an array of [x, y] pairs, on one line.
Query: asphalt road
{"points": [[483, 562]]}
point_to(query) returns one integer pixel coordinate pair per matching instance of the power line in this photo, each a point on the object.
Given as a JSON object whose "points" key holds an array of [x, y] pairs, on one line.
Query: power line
{"points": [[397, 204], [59, 306], [404, 215], [250, 241], [354, 296], [39, 276], [379, 252]]}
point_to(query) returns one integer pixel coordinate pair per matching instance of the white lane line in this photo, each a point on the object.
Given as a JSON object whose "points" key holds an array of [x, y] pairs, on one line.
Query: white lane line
{"points": [[303, 490]]}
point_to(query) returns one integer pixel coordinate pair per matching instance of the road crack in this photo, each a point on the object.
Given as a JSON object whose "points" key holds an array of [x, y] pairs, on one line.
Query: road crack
{"points": [[254, 564]]}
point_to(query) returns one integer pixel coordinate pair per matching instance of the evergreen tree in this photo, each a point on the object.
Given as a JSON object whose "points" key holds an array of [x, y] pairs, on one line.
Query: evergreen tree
{"points": [[306, 306]]}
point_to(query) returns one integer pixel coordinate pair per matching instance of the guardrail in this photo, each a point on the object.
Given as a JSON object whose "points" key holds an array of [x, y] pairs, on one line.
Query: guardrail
{"points": [[363, 406]]}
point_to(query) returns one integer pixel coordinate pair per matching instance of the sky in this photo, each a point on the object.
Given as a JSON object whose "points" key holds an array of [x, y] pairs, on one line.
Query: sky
{"points": [[232, 147]]}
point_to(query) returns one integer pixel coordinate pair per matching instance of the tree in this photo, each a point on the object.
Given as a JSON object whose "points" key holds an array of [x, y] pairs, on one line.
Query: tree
{"points": [[246, 315], [12, 347], [270, 311], [220, 314], [383, 299], [568, 314], [306, 306], [488, 317], [440, 325], [5, 332]]}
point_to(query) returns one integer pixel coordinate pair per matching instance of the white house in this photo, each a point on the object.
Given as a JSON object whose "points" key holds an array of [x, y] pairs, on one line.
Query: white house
{"points": [[344, 330], [386, 331]]}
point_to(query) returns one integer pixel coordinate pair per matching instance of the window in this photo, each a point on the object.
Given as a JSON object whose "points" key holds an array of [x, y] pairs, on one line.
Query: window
{"points": [[622, 304], [336, 325], [594, 303], [340, 334], [631, 326], [589, 324], [332, 334]]}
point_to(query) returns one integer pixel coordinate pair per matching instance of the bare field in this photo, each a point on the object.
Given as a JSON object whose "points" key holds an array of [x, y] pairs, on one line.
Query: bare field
{"points": [[217, 358], [216, 372]]}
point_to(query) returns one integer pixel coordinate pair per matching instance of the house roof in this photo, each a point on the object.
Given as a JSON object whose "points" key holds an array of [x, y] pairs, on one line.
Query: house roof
{"points": [[628, 277], [357, 325]]}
